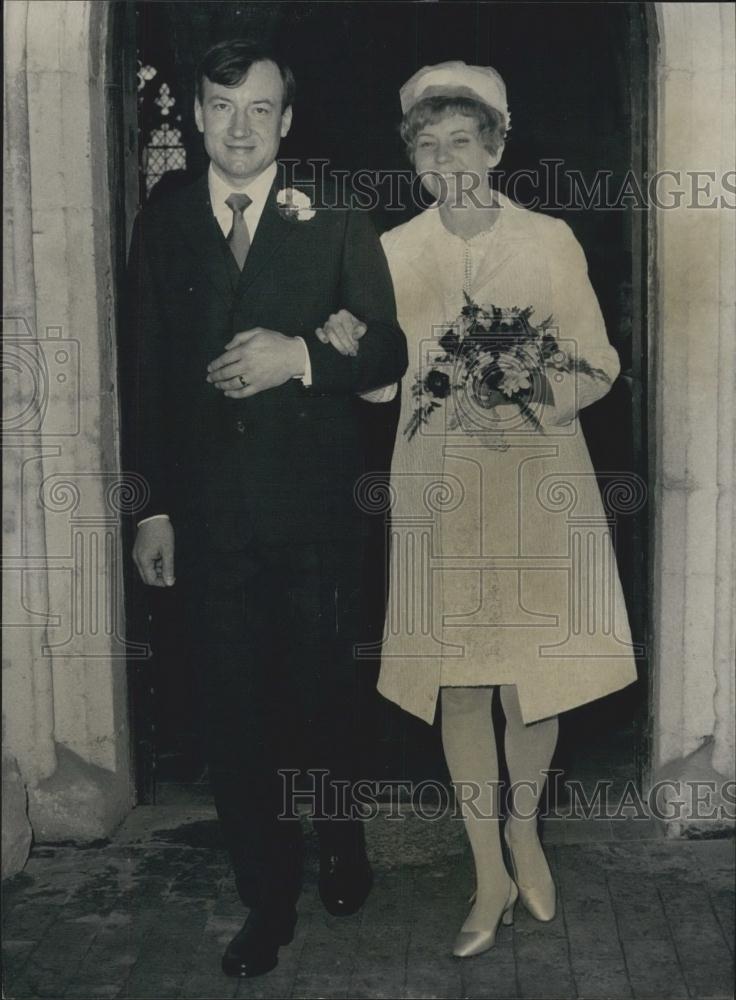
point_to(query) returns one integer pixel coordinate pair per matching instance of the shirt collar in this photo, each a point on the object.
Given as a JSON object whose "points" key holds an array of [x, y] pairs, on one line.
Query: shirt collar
{"points": [[257, 190]]}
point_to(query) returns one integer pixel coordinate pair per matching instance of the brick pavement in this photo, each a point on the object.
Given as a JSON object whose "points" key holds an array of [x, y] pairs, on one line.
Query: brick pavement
{"points": [[148, 915]]}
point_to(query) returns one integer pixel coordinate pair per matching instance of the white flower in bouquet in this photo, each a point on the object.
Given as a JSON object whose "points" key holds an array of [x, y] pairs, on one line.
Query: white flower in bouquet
{"points": [[515, 377]]}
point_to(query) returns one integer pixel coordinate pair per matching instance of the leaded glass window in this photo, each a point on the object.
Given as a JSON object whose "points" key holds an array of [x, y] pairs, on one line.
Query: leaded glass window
{"points": [[162, 147]]}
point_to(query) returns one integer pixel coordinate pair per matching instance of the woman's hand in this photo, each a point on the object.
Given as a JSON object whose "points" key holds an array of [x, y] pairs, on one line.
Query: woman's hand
{"points": [[343, 331]]}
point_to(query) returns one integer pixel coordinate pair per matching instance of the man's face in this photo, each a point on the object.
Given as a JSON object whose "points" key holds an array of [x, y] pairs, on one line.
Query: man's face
{"points": [[243, 125]]}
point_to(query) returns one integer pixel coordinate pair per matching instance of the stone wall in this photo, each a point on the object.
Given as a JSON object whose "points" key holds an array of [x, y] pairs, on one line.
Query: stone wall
{"points": [[694, 371], [64, 669]]}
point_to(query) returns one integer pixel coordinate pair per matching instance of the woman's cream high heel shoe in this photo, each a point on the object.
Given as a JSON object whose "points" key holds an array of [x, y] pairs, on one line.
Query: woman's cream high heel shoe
{"points": [[540, 899], [469, 943]]}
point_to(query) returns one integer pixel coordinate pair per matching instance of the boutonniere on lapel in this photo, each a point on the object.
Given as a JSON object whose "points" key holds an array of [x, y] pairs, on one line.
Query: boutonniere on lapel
{"points": [[294, 205]]}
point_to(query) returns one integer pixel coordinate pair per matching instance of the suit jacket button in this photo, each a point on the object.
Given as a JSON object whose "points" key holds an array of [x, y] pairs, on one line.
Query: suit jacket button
{"points": [[240, 427]]}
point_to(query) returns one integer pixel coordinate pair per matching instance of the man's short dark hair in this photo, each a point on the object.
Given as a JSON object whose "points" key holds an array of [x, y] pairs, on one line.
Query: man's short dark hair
{"points": [[229, 62]]}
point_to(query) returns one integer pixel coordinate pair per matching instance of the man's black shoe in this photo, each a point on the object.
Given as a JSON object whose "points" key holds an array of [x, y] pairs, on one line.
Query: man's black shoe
{"points": [[255, 948], [344, 882]]}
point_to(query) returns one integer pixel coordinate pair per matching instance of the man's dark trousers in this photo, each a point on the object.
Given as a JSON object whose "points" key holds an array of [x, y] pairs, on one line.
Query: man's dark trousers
{"points": [[279, 624]]}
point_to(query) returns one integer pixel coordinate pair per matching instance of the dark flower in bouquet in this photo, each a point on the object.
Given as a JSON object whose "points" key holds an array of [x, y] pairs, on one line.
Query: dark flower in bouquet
{"points": [[493, 356], [450, 341], [438, 384]]}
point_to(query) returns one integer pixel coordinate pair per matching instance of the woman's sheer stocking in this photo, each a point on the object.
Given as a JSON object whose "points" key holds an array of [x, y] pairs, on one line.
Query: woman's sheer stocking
{"points": [[470, 750]]}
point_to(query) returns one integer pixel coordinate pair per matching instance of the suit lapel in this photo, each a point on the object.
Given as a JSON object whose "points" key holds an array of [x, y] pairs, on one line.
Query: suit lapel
{"points": [[203, 235], [272, 230]]}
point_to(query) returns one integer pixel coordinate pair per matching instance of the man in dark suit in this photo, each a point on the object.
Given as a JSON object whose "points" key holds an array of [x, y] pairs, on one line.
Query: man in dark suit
{"points": [[246, 429]]}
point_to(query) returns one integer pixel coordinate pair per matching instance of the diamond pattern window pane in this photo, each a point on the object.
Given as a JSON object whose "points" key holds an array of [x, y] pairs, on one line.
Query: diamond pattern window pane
{"points": [[162, 148], [164, 152]]}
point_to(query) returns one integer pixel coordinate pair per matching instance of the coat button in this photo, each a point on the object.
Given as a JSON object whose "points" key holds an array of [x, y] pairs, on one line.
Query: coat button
{"points": [[240, 427]]}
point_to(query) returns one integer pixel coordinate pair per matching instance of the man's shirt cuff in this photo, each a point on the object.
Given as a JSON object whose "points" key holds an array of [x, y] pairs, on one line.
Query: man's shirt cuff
{"points": [[153, 517], [383, 395], [306, 377]]}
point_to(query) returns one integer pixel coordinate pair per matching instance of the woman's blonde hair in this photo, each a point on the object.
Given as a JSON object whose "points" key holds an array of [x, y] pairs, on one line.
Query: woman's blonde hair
{"points": [[491, 124]]}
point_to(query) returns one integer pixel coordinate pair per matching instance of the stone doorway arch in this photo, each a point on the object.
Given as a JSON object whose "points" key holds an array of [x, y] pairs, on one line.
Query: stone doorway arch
{"points": [[65, 724]]}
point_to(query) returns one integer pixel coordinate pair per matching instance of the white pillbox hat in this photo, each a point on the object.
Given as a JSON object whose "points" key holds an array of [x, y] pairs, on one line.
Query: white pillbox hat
{"points": [[456, 79]]}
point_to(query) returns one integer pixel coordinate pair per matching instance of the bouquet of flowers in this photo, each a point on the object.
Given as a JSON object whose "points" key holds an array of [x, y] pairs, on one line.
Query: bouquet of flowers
{"points": [[491, 356]]}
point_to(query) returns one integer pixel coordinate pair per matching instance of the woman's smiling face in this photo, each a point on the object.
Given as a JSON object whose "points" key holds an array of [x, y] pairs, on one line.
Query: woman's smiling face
{"points": [[450, 158]]}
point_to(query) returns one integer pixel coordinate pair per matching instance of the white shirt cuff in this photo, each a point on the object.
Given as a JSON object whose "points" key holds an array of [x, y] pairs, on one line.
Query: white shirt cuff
{"points": [[306, 377], [383, 395], [153, 517]]}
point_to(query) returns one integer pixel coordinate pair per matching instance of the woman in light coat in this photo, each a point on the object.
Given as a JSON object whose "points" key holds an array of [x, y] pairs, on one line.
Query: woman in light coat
{"points": [[502, 570]]}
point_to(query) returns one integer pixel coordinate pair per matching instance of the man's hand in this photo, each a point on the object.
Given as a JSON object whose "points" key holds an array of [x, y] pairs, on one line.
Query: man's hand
{"points": [[153, 552], [343, 331], [255, 360]]}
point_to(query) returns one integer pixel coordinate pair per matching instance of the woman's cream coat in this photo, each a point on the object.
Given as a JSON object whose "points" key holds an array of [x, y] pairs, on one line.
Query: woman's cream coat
{"points": [[502, 568]]}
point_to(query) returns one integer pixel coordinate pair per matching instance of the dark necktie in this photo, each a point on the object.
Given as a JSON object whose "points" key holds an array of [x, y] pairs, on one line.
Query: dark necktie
{"points": [[238, 238]]}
